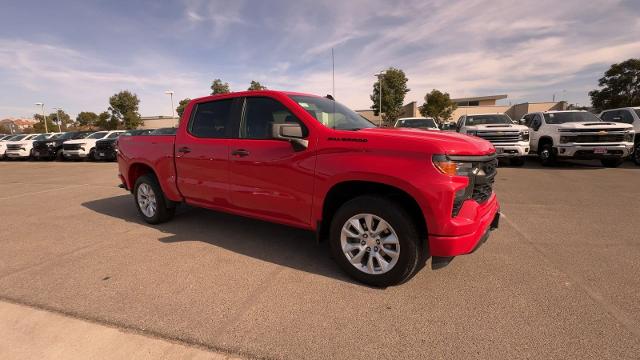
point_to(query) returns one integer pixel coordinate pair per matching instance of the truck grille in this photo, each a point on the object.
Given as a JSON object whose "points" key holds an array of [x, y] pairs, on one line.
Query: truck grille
{"points": [[599, 138], [500, 136], [14, 147], [104, 145], [40, 145], [483, 184], [71, 146]]}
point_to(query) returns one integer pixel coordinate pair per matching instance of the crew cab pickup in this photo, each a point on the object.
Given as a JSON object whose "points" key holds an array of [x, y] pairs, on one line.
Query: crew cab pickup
{"points": [[629, 115], [51, 148], [22, 148], [511, 140], [385, 199], [580, 135], [85, 148]]}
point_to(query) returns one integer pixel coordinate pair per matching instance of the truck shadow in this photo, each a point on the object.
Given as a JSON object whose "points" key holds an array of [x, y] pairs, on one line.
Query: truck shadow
{"points": [[278, 244]]}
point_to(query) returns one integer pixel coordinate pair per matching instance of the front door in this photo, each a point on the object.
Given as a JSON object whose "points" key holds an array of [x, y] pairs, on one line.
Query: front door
{"points": [[270, 178], [202, 154]]}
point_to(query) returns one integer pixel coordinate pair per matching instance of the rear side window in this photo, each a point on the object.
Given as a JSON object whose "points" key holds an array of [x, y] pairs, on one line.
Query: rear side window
{"points": [[609, 115], [626, 117], [212, 119], [260, 113]]}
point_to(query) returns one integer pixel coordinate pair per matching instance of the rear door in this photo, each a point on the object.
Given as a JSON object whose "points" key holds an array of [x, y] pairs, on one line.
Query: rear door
{"points": [[202, 153], [271, 178]]}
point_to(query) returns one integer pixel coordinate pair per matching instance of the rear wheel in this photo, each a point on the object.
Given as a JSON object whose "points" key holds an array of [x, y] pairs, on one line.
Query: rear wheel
{"points": [[612, 163], [547, 155], [150, 201], [517, 161], [375, 241], [59, 155]]}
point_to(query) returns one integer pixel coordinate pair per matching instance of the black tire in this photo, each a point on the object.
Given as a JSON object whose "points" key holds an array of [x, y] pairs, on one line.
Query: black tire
{"points": [[59, 155], [92, 155], [547, 155], [164, 210], [405, 229], [517, 161], [636, 154], [612, 163]]}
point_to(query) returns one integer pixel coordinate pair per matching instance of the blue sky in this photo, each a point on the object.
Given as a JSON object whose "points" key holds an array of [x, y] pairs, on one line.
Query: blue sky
{"points": [[75, 54]]}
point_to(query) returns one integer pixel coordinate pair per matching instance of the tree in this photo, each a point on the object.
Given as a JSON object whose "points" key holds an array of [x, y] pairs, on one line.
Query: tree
{"points": [[255, 85], [124, 109], [106, 121], [218, 87], [181, 106], [620, 86], [65, 120], [39, 126], [394, 88], [87, 118], [438, 105]]}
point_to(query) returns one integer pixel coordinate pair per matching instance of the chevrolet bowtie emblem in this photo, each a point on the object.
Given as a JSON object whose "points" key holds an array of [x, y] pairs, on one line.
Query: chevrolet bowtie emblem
{"points": [[602, 132]]}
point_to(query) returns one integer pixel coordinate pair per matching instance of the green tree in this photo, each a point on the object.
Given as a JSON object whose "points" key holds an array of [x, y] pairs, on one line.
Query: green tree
{"points": [[124, 109], [65, 120], [218, 87], [394, 89], [181, 106], [438, 105], [87, 118], [255, 85], [620, 86], [39, 126], [106, 121]]}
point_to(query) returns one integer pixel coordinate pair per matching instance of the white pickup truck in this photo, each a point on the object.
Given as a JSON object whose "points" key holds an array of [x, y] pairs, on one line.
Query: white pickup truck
{"points": [[628, 115], [22, 147], [511, 140], [86, 148], [580, 135]]}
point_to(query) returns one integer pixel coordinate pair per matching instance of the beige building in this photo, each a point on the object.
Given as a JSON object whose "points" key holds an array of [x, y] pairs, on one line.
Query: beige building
{"points": [[487, 105], [156, 122]]}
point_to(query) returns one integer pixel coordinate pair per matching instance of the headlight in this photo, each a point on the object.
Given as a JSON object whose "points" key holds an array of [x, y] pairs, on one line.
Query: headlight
{"points": [[456, 168], [50, 143], [628, 136], [524, 135]]}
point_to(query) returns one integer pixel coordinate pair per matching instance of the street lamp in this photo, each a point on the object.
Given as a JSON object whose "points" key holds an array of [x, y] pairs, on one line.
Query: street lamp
{"points": [[379, 75], [44, 117], [58, 118], [170, 93]]}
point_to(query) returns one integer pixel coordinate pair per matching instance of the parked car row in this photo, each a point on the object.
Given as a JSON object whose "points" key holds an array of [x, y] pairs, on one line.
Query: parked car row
{"points": [[75, 145], [553, 135]]}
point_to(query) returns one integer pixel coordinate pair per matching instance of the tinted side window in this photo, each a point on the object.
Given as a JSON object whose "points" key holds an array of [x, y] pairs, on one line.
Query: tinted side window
{"points": [[260, 113], [212, 119], [609, 115], [626, 117], [536, 122]]}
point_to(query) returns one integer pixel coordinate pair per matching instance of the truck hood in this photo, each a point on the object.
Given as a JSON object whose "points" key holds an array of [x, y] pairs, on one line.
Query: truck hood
{"points": [[496, 127], [594, 125], [442, 142], [81, 141], [21, 142]]}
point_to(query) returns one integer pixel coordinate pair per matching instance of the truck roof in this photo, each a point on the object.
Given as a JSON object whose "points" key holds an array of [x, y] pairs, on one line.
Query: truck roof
{"points": [[255, 92]]}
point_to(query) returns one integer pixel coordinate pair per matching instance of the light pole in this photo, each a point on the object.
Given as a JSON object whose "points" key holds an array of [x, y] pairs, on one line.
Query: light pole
{"points": [[44, 117], [58, 118], [170, 93], [379, 75]]}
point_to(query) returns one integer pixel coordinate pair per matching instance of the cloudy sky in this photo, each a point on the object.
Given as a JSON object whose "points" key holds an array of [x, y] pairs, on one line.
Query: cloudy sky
{"points": [[75, 54]]}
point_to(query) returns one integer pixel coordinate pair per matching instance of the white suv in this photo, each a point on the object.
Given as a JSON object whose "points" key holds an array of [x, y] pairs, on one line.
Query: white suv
{"points": [[22, 147], [86, 148], [421, 123], [628, 115], [511, 140], [578, 135]]}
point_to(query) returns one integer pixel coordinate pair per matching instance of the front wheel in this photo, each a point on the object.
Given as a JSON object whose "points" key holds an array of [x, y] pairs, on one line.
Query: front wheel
{"points": [[547, 156], [375, 241], [636, 154], [92, 155], [150, 200], [612, 163]]}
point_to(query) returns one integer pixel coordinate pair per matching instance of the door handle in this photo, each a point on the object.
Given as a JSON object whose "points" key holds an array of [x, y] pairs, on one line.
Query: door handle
{"points": [[240, 152], [184, 149]]}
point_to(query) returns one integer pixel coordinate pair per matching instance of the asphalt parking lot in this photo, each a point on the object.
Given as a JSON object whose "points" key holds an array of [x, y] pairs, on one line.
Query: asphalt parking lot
{"points": [[559, 279]]}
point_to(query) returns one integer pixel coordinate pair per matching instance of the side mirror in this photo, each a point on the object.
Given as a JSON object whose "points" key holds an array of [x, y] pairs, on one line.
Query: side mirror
{"points": [[290, 132], [521, 121]]}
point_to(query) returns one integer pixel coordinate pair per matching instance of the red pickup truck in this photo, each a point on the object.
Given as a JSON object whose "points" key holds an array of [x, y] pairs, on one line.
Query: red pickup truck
{"points": [[385, 199]]}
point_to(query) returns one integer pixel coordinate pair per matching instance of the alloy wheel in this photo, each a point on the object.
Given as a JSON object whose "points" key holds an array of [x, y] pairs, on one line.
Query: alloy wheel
{"points": [[147, 200], [370, 244]]}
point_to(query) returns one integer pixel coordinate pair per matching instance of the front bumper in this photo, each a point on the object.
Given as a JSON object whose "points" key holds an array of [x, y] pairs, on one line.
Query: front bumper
{"points": [[44, 153], [486, 219], [16, 154], [105, 154], [512, 150], [74, 154], [594, 151]]}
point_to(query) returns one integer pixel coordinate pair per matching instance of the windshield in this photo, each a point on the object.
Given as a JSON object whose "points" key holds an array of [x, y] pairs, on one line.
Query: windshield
{"points": [[417, 123], [113, 135], [332, 114], [97, 135], [42, 137], [488, 119], [18, 137], [567, 117], [68, 135]]}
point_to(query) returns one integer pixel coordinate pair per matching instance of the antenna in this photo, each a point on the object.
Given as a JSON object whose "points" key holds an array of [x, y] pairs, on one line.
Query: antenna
{"points": [[333, 74]]}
